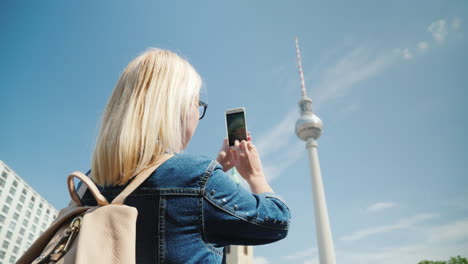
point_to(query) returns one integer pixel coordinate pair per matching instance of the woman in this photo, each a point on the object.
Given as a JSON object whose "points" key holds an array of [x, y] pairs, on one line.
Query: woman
{"points": [[188, 209]]}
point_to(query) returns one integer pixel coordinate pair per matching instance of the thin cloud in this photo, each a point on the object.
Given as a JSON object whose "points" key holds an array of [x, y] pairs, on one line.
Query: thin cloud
{"points": [[435, 242], [409, 253], [456, 23], [423, 46], [455, 231], [402, 224], [260, 260], [438, 29], [287, 157], [358, 65], [279, 136], [307, 253], [380, 206]]}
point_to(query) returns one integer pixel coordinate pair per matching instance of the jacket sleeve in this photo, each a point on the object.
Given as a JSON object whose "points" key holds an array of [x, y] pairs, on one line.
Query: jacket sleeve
{"points": [[232, 215]]}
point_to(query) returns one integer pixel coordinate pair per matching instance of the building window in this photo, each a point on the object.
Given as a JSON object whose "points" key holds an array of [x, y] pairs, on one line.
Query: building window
{"points": [[33, 198], [21, 232], [2, 254], [15, 216], [33, 229], [12, 191], [22, 198], [28, 214], [44, 225], [2, 219], [9, 200], [19, 240], [15, 183], [5, 244], [5, 209], [48, 211], [30, 206], [2, 182], [4, 174], [31, 236], [19, 207], [40, 205], [24, 191], [25, 222], [36, 219], [9, 235], [12, 225], [12, 259], [15, 250], [46, 218], [39, 211]]}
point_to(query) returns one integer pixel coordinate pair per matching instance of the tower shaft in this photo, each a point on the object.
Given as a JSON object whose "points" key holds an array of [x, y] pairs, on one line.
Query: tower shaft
{"points": [[322, 223]]}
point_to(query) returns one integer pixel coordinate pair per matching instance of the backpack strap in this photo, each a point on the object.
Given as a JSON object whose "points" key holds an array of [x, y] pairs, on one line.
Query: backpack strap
{"points": [[100, 199], [139, 179]]}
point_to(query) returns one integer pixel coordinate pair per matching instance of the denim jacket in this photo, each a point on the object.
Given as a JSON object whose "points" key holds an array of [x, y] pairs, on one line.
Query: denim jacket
{"points": [[189, 209]]}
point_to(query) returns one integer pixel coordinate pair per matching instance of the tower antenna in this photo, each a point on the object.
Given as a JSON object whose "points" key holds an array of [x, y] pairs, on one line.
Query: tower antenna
{"points": [[299, 64]]}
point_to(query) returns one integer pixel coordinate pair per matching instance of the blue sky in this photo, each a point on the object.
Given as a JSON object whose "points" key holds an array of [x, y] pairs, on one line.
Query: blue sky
{"points": [[387, 78]]}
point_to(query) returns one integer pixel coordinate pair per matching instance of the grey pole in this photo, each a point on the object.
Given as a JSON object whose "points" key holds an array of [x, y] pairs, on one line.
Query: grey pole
{"points": [[309, 128]]}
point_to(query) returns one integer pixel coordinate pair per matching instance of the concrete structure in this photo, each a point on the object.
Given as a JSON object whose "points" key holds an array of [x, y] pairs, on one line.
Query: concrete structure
{"points": [[239, 255], [309, 128], [24, 215]]}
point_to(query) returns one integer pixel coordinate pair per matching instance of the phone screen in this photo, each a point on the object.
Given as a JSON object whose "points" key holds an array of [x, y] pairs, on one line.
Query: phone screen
{"points": [[236, 127]]}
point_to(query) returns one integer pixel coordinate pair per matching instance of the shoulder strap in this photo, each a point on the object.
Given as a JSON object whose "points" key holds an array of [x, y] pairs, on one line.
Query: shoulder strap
{"points": [[100, 199], [139, 179]]}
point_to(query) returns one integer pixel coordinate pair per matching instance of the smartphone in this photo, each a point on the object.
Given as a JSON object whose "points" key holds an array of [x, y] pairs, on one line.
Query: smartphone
{"points": [[236, 125]]}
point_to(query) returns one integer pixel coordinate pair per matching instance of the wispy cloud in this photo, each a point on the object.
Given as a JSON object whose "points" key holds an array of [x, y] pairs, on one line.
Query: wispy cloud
{"points": [[409, 253], [260, 260], [455, 231], [456, 23], [360, 64], [434, 243], [438, 29], [307, 253], [380, 206], [274, 140], [423, 46], [401, 224]]}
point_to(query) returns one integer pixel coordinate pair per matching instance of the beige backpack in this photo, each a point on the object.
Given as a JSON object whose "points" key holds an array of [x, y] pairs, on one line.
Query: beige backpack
{"points": [[104, 234]]}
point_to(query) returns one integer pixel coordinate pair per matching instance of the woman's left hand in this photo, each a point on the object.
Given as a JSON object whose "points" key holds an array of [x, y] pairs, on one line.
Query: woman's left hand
{"points": [[225, 157]]}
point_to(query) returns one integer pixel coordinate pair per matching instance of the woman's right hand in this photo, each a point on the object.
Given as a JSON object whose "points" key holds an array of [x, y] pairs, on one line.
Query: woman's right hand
{"points": [[249, 165]]}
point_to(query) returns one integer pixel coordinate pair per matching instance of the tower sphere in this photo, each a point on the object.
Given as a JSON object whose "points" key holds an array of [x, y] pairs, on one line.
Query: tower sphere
{"points": [[309, 126]]}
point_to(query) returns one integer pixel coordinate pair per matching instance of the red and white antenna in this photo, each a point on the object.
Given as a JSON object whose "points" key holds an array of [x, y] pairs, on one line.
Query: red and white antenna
{"points": [[301, 73]]}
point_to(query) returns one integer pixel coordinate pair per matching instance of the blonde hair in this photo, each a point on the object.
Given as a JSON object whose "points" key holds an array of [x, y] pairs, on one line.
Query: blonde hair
{"points": [[145, 117]]}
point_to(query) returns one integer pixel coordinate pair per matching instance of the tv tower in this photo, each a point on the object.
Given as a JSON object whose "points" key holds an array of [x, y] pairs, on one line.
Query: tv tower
{"points": [[309, 128]]}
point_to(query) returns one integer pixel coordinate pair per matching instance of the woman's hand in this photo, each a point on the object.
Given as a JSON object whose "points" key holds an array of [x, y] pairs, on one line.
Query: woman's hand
{"points": [[249, 166], [225, 155]]}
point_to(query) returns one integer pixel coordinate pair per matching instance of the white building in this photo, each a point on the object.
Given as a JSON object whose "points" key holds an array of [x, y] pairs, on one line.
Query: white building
{"points": [[24, 215], [239, 255]]}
